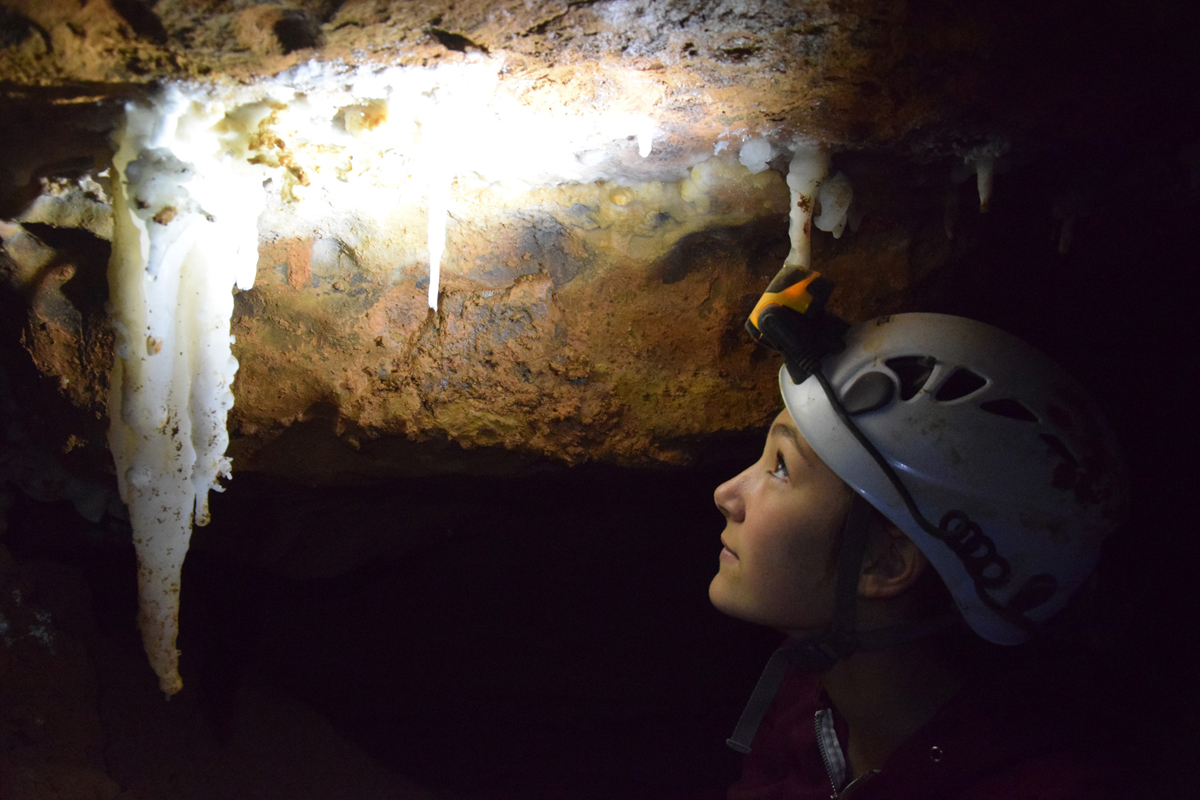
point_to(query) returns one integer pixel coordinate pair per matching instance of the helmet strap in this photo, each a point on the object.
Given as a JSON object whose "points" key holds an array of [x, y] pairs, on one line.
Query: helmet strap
{"points": [[818, 652]]}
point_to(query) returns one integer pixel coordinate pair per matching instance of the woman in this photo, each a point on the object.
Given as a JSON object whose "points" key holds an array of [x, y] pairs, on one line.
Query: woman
{"points": [[934, 483]]}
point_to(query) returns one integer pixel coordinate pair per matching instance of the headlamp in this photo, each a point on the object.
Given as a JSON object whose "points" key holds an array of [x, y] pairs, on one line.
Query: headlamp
{"points": [[790, 318]]}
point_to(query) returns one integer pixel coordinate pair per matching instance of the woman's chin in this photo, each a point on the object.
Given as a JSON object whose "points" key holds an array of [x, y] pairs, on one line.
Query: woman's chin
{"points": [[722, 597]]}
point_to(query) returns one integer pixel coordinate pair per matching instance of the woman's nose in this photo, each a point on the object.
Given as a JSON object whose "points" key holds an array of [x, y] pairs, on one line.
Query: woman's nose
{"points": [[728, 498]]}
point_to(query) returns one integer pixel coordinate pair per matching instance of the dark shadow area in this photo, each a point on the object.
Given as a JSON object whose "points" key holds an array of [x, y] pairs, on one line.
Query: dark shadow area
{"points": [[1116, 310], [560, 646], [556, 640]]}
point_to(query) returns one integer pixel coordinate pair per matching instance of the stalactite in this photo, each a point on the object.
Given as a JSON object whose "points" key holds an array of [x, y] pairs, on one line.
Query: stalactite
{"points": [[835, 196], [810, 163], [185, 231]]}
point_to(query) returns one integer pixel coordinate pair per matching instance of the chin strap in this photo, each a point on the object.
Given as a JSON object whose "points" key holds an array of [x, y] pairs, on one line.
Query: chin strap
{"points": [[819, 652]]}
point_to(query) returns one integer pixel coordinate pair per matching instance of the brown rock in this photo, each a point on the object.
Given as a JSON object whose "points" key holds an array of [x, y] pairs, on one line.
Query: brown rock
{"points": [[576, 322]]}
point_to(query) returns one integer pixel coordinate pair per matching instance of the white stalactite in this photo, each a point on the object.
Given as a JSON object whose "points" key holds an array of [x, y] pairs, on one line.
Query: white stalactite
{"points": [[435, 232], [981, 160], [835, 196], [645, 138], [810, 163], [984, 172], [185, 232]]}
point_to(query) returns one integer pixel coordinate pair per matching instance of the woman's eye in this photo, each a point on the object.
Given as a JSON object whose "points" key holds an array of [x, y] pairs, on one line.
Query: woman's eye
{"points": [[781, 470]]}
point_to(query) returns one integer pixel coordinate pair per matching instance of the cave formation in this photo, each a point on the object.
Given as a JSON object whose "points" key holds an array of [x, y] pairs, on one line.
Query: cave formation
{"points": [[492, 361]]}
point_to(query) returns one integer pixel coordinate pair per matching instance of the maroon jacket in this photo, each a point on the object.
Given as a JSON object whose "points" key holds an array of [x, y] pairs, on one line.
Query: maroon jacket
{"points": [[993, 743]]}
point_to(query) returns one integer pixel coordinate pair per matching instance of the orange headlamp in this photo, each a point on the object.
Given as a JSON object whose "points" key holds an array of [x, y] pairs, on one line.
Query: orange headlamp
{"points": [[790, 318]]}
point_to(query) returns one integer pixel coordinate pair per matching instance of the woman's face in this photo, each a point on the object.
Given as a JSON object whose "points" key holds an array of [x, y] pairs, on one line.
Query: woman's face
{"points": [[780, 516]]}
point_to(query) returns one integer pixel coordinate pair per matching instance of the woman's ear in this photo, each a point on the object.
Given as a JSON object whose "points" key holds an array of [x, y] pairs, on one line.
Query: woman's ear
{"points": [[891, 565]]}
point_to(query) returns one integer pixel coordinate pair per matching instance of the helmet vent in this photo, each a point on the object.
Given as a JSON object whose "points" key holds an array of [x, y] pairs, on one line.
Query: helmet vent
{"points": [[913, 372], [961, 383], [1010, 408], [871, 391]]}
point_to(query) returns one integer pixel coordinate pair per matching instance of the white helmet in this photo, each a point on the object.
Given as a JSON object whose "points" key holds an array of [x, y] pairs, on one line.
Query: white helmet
{"points": [[1015, 474]]}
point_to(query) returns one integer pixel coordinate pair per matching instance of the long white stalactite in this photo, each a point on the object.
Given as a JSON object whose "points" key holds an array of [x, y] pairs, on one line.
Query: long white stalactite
{"points": [[438, 202], [185, 208]]}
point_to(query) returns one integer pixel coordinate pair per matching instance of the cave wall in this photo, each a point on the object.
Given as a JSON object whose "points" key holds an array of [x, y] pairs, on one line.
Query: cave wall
{"points": [[589, 321]]}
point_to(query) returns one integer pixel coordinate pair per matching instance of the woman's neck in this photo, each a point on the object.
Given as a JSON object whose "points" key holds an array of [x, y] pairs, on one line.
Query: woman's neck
{"points": [[886, 696]]}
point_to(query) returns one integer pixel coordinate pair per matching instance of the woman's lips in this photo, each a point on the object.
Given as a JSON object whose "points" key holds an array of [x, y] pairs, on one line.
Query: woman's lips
{"points": [[727, 553]]}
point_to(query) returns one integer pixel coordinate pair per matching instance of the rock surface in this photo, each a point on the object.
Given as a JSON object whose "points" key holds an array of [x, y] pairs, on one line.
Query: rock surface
{"points": [[578, 321], [574, 329], [841, 71]]}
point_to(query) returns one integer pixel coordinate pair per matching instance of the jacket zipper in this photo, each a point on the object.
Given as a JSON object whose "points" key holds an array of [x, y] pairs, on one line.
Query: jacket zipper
{"points": [[825, 756], [835, 793]]}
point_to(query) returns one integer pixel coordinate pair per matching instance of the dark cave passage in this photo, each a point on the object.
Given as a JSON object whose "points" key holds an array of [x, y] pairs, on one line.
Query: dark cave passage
{"points": [[552, 638]]}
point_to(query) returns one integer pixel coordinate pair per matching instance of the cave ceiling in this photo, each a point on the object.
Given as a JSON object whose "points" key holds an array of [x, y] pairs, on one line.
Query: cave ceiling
{"points": [[593, 313]]}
